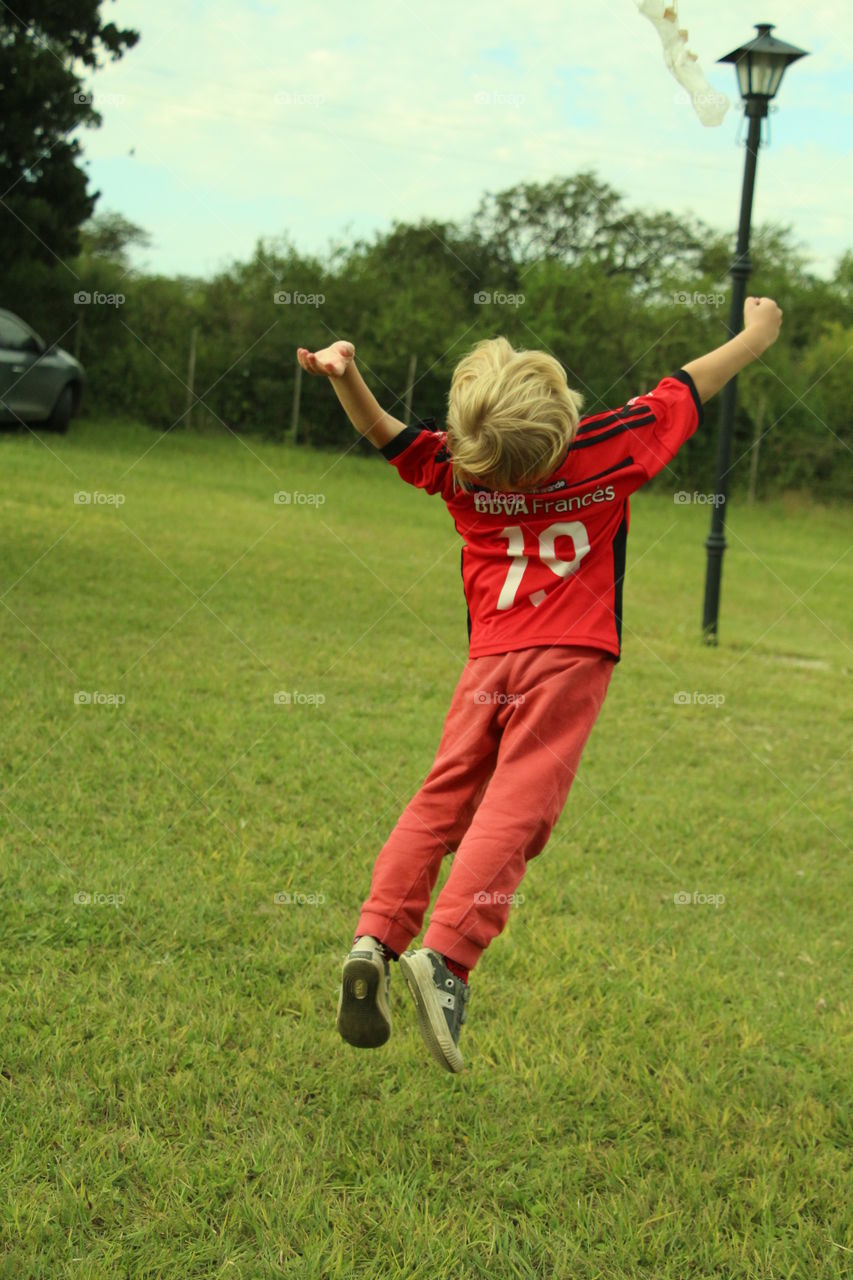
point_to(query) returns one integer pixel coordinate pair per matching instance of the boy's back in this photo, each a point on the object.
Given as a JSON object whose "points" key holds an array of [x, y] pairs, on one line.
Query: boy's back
{"points": [[545, 566]]}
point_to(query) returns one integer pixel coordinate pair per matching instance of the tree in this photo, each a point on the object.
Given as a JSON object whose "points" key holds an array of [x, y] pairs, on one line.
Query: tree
{"points": [[843, 282], [582, 219], [109, 235], [44, 45]]}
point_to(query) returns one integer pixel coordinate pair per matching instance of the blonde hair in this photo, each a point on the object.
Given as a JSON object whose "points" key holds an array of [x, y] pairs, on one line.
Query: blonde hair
{"points": [[511, 416]]}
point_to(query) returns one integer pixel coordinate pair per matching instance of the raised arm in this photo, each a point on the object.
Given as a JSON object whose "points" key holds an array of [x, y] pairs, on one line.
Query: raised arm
{"points": [[762, 320], [337, 363]]}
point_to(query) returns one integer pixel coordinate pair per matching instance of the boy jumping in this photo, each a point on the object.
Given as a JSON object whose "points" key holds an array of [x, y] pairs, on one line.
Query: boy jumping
{"points": [[539, 496]]}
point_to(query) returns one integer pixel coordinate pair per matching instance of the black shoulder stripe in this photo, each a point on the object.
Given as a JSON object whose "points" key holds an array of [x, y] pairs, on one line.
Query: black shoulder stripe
{"points": [[599, 475], [614, 431], [607, 419]]}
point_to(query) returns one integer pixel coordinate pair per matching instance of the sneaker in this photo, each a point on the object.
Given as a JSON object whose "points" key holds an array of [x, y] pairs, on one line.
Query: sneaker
{"points": [[442, 1001], [364, 1013]]}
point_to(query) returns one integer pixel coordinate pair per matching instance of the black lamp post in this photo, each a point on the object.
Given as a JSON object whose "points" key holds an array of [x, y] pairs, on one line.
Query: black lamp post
{"points": [[760, 66]]}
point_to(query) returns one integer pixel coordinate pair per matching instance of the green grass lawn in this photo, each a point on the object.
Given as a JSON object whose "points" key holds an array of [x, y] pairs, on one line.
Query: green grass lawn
{"points": [[652, 1089]]}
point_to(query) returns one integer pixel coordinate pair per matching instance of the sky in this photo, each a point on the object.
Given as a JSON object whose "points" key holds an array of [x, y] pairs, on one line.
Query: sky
{"points": [[235, 120]]}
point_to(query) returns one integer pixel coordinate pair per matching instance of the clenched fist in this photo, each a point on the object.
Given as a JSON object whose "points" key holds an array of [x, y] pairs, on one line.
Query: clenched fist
{"points": [[761, 316]]}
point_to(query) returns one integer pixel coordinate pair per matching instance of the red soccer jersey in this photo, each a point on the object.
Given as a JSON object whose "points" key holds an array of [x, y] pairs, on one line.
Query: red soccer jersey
{"points": [[546, 567]]}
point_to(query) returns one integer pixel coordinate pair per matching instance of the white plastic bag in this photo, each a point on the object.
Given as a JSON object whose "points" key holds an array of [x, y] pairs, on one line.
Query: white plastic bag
{"points": [[709, 105]]}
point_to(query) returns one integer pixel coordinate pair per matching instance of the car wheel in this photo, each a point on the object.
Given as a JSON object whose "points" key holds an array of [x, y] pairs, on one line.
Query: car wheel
{"points": [[61, 415]]}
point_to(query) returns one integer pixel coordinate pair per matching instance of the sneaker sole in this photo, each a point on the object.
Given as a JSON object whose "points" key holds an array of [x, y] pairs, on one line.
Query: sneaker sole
{"points": [[417, 970], [364, 1019]]}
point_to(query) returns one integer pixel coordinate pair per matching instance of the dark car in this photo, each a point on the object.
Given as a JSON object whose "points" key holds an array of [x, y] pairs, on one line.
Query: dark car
{"points": [[38, 382]]}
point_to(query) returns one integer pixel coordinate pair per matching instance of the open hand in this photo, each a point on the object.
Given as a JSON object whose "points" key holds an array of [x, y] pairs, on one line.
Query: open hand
{"points": [[331, 362]]}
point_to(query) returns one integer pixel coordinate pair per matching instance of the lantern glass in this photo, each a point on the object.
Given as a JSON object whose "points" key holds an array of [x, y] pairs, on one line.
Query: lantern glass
{"points": [[767, 72], [743, 75]]}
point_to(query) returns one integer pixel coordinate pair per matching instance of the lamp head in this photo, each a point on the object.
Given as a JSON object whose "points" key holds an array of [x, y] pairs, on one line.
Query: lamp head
{"points": [[761, 64]]}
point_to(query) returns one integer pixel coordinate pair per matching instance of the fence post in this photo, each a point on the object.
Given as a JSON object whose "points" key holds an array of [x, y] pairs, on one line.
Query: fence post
{"points": [[190, 379], [410, 386], [297, 395], [753, 461]]}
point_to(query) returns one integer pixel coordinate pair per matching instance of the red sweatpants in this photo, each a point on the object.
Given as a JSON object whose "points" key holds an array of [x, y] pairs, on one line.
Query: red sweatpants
{"points": [[512, 741]]}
